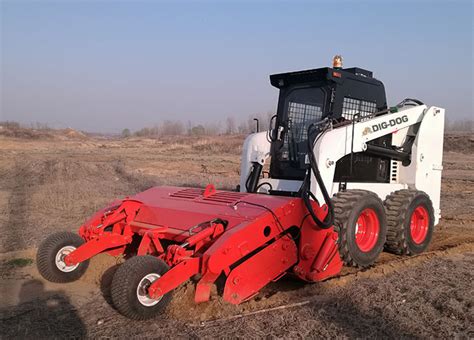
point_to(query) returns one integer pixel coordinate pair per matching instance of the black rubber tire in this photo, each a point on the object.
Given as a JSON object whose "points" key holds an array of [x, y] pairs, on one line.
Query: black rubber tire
{"points": [[125, 283], [46, 257], [348, 205], [399, 207]]}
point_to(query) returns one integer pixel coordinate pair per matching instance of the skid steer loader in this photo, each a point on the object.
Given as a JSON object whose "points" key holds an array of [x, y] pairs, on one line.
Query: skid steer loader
{"points": [[338, 177]]}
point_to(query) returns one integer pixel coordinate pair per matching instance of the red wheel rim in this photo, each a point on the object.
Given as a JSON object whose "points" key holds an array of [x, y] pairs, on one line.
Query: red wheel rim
{"points": [[419, 224], [367, 230]]}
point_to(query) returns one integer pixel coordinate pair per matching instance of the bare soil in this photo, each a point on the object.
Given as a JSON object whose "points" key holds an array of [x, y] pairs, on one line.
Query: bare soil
{"points": [[55, 183]]}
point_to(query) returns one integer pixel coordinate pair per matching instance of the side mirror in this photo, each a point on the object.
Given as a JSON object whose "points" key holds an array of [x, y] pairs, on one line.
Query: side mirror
{"points": [[274, 134]]}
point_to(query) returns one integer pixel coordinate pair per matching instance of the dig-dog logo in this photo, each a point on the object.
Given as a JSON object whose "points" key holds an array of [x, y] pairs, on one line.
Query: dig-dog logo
{"points": [[390, 123], [366, 131]]}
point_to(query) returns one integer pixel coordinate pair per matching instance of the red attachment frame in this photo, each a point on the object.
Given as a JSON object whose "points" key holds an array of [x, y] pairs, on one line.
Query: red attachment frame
{"points": [[245, 280], [248, 238]]}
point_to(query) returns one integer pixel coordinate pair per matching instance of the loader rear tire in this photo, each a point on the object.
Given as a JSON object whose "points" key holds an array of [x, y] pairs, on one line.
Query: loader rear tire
{"points": [[49, 258], [359, 218], [410, 219], [129, 287]]}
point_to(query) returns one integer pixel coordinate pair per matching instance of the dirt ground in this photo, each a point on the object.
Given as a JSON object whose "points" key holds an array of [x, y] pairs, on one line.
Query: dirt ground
{"points": [[54, 182]]}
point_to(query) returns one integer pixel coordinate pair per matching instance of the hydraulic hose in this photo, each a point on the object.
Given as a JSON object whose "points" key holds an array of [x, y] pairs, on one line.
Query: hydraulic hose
{"points": [[251, 184], [306, 193], [410, 101]]}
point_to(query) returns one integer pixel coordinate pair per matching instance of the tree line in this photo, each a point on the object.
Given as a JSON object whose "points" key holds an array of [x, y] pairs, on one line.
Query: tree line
{"points": [[229, 126]]}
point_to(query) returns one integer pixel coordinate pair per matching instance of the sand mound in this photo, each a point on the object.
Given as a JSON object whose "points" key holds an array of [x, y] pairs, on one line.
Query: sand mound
{"points": [[15, 130], [73, 134]]}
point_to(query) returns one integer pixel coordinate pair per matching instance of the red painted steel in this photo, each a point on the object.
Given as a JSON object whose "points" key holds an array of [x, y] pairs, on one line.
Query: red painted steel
{"points": [[367, 230], [318, 250], [96, 246], [178, 274], [251, 239], [419, 223], [250, 276]]}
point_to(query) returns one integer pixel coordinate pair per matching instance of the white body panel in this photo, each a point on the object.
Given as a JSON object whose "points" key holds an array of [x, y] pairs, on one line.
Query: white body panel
{"points": [[423, 173], [256, 148]]}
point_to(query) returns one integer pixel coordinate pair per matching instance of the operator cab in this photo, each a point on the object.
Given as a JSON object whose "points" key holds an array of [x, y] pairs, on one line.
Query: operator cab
{"points": [[307, 97]]}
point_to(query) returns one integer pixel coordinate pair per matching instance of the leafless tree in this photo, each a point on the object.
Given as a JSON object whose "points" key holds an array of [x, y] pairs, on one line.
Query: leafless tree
{"points": [[230, 125]]}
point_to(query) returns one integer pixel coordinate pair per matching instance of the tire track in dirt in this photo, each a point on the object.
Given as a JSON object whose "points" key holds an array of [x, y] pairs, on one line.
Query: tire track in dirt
{"points": [[41, 195], [393, 306], [26, 176], [287, 290], [13, 229]]}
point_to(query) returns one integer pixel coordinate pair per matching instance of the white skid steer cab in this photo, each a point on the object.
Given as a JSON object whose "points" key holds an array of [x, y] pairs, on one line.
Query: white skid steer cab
{"points": [[334, 140]]}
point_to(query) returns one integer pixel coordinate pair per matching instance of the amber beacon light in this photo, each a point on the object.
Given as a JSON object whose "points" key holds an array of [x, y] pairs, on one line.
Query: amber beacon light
{"points": [[337, 61]]}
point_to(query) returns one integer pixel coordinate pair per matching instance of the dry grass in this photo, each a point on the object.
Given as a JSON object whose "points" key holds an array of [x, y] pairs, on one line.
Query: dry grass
{"points": [[46, 185], [225, 144], [40, 132], [61, 193], [54, 184]]}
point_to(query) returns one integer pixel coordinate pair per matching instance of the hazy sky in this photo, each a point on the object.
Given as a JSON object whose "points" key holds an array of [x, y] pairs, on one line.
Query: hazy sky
{"points": [[105, 65]]}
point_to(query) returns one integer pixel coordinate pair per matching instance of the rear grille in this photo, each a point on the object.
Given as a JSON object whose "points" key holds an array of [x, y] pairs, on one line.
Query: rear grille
{"points": [[188, 193], [394, 171], [228, 197], [225, 197]]}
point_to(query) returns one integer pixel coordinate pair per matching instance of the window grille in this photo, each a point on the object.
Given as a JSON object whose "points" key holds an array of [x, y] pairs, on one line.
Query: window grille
{"points": [[351, 107], [300, 117]]}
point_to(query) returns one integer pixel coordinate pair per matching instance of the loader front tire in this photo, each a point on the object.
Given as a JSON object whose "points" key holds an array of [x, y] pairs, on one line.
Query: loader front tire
{"points": [[50, 255], [410, 218], [130, 284], [359, 218]]}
